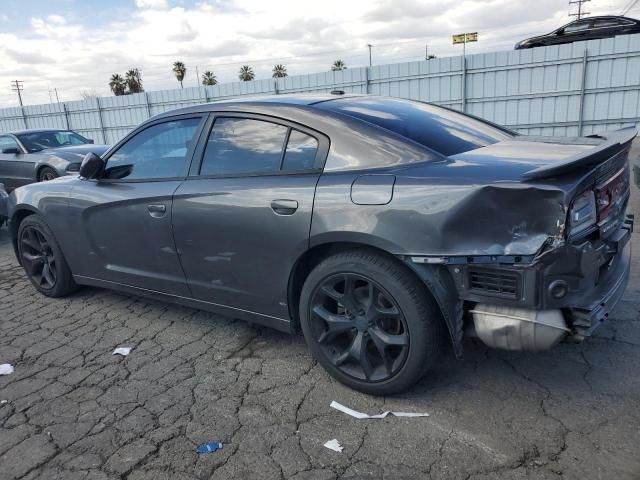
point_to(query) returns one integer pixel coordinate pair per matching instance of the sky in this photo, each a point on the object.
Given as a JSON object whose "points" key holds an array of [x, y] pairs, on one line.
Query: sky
{"points": [[74, 46]]}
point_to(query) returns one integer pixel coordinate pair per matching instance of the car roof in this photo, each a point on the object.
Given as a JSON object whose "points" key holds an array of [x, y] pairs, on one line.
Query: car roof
{"points": [[290, 99], [596, 17], [35, 130]]}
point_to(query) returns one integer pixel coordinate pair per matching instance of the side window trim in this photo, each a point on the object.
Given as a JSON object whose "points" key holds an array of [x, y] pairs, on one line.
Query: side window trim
{"points": [[284, 149], [321, 155], [188, 157]]}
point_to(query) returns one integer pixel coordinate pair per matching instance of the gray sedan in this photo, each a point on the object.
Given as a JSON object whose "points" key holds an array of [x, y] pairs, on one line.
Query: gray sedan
{"points": [[384, 229], [38, 155]]}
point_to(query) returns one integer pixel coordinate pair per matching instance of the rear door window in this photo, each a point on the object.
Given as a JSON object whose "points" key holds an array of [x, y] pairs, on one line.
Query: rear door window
{"points": [[300, 153], [249, 146], [238, 146]]}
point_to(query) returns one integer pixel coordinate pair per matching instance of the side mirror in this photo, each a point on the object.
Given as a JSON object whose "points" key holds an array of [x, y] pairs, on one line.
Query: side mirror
{"points": [[91, 140], [92, 166], [560, 32], [11, 150]]}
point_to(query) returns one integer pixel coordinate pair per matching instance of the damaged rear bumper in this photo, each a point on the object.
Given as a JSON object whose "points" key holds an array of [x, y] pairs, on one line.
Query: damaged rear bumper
{"points": [[582, 280]]}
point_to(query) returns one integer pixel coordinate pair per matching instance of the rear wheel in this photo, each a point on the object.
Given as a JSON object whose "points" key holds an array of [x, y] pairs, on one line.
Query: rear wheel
{"points": [[46, 174], [42, 258], [370, 322]]}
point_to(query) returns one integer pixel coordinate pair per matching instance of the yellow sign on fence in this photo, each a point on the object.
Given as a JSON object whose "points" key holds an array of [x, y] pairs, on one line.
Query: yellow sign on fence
{"points": [[465, 38]]}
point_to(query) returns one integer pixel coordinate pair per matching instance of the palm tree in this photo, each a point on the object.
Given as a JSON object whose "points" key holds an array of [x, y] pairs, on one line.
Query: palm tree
{"points": [[279, 71], [246, 73], [134, 81], [208, 78], [180, 71], [117, 84], [338, 65]]}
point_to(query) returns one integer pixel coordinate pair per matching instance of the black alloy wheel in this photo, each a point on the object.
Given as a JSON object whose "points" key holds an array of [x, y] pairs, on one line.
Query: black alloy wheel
{"points": [[370, 321], [38, 258], [359, 327], [42, 259]]}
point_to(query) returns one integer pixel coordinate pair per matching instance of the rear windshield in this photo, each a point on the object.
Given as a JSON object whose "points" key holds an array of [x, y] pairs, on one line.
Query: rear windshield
{"points": [[440, 129]]}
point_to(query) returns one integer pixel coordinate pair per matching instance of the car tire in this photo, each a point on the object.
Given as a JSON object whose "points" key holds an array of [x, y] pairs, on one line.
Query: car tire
{"points": [[47, 173], [364, 349], [43, 260]]}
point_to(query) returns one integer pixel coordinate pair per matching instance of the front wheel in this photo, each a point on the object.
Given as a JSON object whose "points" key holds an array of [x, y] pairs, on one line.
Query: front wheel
{"points": [[42, 258], [370, 322], [46, 174]]}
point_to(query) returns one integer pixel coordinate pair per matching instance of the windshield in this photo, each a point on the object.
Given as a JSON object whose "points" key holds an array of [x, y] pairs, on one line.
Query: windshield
{"points": [[443, 130], [36, 141]]}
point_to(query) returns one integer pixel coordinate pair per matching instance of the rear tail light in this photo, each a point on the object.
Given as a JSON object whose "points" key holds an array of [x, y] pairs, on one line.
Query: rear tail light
{"points": [[611, 195], [583, 214]]}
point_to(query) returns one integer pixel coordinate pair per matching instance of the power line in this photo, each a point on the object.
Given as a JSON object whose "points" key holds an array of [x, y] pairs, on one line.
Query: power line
{"points": [[17, 86], [580, 13], [629, 7]]}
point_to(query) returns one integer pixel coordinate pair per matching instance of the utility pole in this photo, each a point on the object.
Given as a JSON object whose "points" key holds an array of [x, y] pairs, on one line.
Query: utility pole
{"points": [[426, 51], [197, 77], [17, 86], [369, 45], [580, 13], [57, 99]]}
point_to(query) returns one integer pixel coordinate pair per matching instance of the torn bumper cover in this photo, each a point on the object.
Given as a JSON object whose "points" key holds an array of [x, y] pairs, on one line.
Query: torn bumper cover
{"points": [[584, 280]]}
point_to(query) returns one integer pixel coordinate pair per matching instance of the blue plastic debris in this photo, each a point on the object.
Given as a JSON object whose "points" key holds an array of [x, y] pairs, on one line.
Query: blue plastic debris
{"points": [[209, 447]]}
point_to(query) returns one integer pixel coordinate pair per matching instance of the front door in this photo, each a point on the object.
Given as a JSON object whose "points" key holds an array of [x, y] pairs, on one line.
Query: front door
{"points": [[241, 221], [123, 221]]}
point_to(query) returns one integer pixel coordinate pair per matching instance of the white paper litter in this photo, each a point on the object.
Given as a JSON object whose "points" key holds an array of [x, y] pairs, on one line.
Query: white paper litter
{"points": [[2, 402], [334, 445], [6, 369], [356, 414], [124, 351]]}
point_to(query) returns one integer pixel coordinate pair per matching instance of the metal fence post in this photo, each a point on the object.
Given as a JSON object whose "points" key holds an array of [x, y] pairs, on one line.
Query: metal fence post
{"points": [[582, 91], [24, 117], [104, 134], [66, 116], [367, 77], [146, 99], [463, 79]]}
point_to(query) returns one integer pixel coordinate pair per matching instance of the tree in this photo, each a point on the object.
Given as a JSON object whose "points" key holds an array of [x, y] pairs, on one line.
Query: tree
{"points": [[117, 84], [279, 71], [246, 73], [338, 65], [179, 71], [133, 80], [208, 78]]}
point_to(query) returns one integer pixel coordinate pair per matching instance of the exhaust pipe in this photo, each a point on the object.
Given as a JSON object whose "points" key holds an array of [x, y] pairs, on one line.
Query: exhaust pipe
{"points": [[510, 328]]}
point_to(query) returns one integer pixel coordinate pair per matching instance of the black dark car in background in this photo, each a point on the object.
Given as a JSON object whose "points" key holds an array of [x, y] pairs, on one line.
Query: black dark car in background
{"points": [[589, 28], [382, 228]]}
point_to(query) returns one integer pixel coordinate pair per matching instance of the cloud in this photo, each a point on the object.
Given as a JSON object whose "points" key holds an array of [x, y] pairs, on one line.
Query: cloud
{"points": [[60, 48], [28, 57], [184, 33], [152, 4]]}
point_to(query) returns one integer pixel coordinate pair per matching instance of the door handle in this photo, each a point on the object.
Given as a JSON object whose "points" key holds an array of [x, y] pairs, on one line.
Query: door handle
{"points": [[157, 210], [284, 207]]}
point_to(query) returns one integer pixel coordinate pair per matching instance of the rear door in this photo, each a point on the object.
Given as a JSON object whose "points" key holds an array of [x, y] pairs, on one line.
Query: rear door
{"points": [[243, 217], [16, 169]]}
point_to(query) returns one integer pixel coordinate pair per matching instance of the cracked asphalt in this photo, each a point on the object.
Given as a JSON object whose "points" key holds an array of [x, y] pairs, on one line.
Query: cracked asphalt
{"points": [[75, 411]]}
